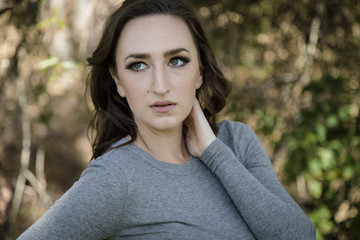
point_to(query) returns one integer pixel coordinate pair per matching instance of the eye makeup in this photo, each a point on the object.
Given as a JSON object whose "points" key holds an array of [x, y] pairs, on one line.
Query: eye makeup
{"points": [[175, 61], [136, 66]]}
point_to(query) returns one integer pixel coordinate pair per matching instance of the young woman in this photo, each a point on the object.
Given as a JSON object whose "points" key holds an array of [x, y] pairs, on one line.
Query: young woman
{"points": [[162, 168]]}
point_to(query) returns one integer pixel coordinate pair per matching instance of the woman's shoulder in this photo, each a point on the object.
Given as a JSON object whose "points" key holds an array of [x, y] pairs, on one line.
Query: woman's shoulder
{"points": [[120, 158], [239, 137], [118, 150], [231, 129]]}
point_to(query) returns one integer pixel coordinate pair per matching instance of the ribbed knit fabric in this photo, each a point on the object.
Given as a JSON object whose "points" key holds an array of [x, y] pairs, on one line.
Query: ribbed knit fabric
{"points": [[230, 192]]}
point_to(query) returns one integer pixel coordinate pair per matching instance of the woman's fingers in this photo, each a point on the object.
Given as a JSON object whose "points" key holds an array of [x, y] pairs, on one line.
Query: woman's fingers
{"points": [[199, 133]]}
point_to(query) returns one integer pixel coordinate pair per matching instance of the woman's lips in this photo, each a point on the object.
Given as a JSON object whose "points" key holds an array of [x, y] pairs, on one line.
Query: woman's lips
{"points": [[163, 106]]}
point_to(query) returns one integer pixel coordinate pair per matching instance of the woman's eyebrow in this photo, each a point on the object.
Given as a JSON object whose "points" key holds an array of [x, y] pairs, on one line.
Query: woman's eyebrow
{"points": [[138, 55], [166, 54], [175, 51]]}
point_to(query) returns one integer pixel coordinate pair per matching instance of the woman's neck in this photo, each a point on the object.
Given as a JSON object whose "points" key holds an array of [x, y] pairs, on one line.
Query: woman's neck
{"points": [[167, 146]]}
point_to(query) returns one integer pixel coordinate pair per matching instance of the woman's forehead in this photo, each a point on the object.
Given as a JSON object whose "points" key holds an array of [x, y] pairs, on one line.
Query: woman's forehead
{"points": [[155, 33]]}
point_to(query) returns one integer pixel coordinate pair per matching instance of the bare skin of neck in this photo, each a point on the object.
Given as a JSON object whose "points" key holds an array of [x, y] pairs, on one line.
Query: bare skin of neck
{"points": [[166, 147]]}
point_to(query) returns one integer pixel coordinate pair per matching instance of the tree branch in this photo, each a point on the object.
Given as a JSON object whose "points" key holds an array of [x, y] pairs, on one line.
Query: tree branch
{"points": [[25, 150]]}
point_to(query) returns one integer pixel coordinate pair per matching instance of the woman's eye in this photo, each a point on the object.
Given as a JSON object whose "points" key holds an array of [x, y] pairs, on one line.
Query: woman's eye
{"points": [[137, 66], [177, 62]]}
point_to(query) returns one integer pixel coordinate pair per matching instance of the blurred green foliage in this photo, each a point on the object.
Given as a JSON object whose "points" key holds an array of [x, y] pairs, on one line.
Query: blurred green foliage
{"points": [[311, 128], [296, 82], [323, 148]]}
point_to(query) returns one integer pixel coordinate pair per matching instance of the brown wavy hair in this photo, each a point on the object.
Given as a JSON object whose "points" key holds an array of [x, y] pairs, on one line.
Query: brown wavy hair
{"points": [[112, 118]]}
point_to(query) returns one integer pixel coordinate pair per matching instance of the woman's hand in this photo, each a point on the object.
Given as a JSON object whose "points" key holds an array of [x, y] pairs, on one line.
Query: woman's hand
{"points": [[199, 134]]}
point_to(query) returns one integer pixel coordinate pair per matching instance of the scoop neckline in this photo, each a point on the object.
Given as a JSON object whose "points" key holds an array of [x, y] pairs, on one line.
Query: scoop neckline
{"points": [[176, 169]]}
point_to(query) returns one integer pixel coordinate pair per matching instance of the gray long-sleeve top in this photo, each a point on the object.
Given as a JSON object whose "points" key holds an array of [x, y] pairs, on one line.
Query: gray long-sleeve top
{"points": [[230, 192]]}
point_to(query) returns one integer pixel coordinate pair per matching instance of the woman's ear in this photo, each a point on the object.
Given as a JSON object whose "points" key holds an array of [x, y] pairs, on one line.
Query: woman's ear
{"points": [[119, 87]]}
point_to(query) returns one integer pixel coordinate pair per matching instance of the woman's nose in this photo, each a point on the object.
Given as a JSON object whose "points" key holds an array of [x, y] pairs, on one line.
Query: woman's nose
{"points": [[160, 82]]}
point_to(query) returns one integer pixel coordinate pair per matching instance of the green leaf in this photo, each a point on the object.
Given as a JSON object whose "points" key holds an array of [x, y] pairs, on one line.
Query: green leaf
{"points": [[315, 188], [327, 159], [315, 167], [321, 132], [69, 64], [48, 63], [321, 219], [343, 112], [348, 172], [332, 121]]}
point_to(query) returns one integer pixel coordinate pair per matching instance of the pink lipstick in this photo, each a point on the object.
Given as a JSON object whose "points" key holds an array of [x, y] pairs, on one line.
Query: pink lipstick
{"points": [[163, 106]]}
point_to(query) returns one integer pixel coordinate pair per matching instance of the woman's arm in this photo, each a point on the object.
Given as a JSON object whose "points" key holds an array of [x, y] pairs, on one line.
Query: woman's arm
{"points": [[258, 195], [90, 209]]}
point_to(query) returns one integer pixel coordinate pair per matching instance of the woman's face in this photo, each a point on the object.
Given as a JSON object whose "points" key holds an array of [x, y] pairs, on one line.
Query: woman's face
{"points": [[157, 71]]}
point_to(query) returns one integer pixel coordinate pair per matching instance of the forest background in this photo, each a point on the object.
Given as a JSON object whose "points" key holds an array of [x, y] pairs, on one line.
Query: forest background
{"points": [[294, 65]]}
